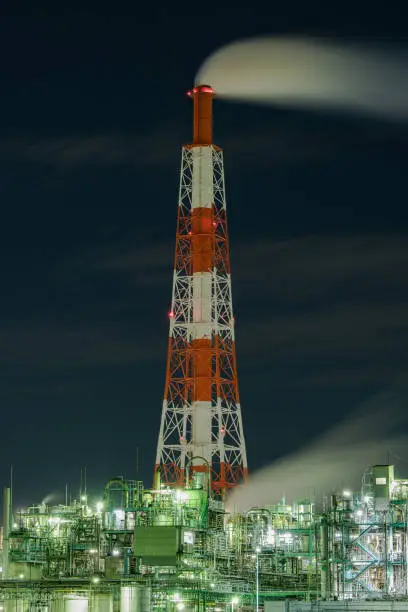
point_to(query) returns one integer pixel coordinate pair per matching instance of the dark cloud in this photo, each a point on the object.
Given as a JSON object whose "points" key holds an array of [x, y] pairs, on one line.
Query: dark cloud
{"points": [[283, 140], [140, 149], [335, 303], [310, 266], [351, 374], [52, 347], [150, 264], [30, 382], [352, 329], [306, 265], [280, 139]]}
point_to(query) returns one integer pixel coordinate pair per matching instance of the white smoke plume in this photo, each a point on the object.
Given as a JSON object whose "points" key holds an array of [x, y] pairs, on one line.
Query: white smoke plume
{"points": [[376, 434], [311, 73], [51, 497]]}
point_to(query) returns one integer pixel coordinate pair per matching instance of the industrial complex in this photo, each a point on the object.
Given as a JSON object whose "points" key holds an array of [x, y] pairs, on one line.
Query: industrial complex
{"points": [[174, 546]]}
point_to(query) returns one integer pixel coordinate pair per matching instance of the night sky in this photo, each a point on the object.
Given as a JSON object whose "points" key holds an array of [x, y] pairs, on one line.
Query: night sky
{"points": [[93, 115]]}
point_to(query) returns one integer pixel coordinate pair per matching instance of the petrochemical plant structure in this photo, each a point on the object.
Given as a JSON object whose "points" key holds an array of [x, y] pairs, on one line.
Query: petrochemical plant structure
{"points": [[175, 547]]}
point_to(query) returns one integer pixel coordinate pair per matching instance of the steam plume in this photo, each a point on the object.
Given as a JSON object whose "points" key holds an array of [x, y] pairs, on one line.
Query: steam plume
{"points": [[311, 73], [336, 460], [51, 497]]}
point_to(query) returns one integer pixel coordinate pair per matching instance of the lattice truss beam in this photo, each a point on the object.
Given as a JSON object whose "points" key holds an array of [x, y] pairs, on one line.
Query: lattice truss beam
{"points": [[228, 455]]}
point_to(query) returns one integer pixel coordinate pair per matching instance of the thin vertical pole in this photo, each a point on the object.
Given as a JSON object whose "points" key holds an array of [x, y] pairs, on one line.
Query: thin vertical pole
{"points": [[257, 580], [6, 530]]}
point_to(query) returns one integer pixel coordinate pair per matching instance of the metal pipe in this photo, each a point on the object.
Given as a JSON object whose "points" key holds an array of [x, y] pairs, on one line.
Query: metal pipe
{"points": [[325, 566], [6, 530], [258, 550]]}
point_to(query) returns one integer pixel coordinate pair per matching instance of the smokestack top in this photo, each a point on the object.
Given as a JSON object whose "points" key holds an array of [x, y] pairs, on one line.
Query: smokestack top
{"points": [[202, 96], [201, 89]]}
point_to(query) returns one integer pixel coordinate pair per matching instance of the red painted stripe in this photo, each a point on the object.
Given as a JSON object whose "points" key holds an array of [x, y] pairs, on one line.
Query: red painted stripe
{"points": [[201, 352], [202, 239]]}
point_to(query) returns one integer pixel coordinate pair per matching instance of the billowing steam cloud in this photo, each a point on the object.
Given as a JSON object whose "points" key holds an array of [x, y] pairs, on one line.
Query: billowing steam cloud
{"points": [[336, 461], [51, 497], [311, 73]]}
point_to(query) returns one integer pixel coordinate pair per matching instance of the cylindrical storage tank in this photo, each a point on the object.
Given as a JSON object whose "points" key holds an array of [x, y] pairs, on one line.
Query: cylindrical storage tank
{"points": [[101, 602], [135, 599], [57, 602], [75, 604], [130, 599], [145, 598], [130, 520], [119, 519], [305, 543], [16, 605]]}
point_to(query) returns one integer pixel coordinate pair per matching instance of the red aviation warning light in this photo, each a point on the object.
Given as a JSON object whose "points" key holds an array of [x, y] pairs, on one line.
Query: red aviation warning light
{"points": [[201, 439]]}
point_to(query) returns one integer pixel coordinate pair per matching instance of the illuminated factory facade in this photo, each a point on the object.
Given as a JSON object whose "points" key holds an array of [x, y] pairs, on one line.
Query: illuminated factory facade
{"points": [[167, 549], [174, 546]]}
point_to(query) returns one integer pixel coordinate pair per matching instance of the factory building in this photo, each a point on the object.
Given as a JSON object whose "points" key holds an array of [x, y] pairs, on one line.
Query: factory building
{"points": [[177, 549]]}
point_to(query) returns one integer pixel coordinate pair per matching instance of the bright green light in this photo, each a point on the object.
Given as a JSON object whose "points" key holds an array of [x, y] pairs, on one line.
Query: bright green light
{"points": [[235, 600], [95, 579], [181, 496], [99, 506]]}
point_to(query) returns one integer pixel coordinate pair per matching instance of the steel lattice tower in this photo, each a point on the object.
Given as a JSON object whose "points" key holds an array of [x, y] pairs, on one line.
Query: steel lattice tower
{"points": [[201, 435]]}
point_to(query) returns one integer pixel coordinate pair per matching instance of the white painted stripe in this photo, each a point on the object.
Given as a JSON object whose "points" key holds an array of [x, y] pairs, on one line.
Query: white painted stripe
{"points": [[202, 284], [241, 437], [171, 313], [221, 431], [202, 186], [201, 417], [160, 443]]}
